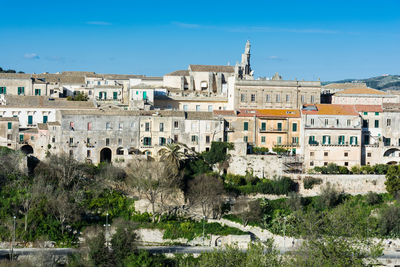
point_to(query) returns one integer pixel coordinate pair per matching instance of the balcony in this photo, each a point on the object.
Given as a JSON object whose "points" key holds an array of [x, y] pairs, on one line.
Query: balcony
{"points": [[273, 130], [286, 144], [90, 145], [73, 145]]}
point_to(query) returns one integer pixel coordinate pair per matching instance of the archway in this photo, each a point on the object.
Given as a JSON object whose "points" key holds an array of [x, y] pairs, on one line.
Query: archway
{"points": [[105, 155], [27, 149], [391, 152], [392, 163], [120, 151]]}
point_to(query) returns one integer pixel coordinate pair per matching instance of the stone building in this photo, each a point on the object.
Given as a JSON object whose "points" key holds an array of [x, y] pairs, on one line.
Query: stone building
{"points": [[363, 96], [331, 134]]}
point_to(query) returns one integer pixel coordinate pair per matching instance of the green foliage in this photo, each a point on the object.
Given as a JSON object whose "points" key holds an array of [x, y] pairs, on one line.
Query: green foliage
{"points": [[235, 179], [99, 255], [280, 150], [260, 150], [78, 97], [145, 259], [332, 168], [309, 182], [393, 180], [218, 152], [123, 242], [389, 221], [279, 186]]}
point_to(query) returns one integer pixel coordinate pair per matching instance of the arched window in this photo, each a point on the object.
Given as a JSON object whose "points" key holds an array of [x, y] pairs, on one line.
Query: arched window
{"points": [[204, 85]]}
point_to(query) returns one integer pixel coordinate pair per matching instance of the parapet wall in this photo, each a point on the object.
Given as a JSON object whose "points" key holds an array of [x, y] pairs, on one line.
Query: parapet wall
{"points": [[348, 183]]}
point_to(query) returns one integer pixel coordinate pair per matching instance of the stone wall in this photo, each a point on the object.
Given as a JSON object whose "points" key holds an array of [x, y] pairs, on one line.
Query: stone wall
{"points": [[262, 166], [350, 184]]}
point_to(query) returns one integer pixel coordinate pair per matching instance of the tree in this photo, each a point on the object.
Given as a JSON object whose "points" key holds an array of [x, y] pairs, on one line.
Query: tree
{"points": [[155, 181], [98, 253], [206, 191], [248, 211], [173, 154], [123, 242], [393, 180]]}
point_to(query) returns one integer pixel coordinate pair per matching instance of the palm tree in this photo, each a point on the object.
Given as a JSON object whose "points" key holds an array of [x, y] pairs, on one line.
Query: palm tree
{"points": [[172, 153]]}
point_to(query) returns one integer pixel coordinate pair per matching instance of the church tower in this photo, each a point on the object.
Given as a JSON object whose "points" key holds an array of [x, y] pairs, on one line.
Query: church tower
{"points": [[243, 70]]}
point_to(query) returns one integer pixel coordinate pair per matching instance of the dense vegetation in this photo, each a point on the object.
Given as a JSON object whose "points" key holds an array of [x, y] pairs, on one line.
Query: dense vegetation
{"points": [[332, 168], [9, 71]]}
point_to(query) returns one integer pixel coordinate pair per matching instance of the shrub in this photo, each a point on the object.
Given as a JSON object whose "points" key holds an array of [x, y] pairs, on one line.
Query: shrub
{"points": [[355, 170], [218, 152], [373, 198], [332, 168], [380, 168], [309, 182], [389, 221], [260, 150], [280, 150], [329, 197]]}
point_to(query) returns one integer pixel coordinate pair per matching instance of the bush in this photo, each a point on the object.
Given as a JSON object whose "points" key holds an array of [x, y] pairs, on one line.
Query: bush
{"points": [[355, 170], [373, 198], [280, 150], [389, 221], [78, 97], [309, 182], [218, 152], [260, 150], [235, 179], [329, 198]]}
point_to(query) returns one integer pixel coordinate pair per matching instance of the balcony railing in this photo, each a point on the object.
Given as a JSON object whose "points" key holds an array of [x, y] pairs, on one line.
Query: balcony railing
{"points": [[286, 144], [273, 129]]}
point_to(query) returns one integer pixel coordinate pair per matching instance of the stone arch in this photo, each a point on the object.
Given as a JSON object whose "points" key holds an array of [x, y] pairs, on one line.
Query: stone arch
{"points": [[390, 152], [105, 155], [392, 163], [27, 149], [120, 151]]}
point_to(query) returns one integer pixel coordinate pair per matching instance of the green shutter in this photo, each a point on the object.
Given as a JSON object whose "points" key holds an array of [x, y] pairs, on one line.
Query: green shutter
{"points": [[246, 126], [105, 95], [21, 137], [9, 125], [324, 139], [279, 126], [329, 139], [294, 127], [30, 120], [144, 95], [115, 95], [263, 126], [100, 95], [45, 119]]}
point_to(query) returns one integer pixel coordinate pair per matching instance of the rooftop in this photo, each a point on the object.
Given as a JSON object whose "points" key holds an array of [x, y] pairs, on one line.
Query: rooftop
{"points": [[344, 85], [45, 102], [178, 73], [212, 68], [225, 113], [330, 109], [9, 119], [270, 113], [361, 91], [369, 108]]}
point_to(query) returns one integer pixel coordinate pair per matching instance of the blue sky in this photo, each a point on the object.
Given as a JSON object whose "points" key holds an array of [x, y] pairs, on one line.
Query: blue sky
{"points": [[299, 39]]}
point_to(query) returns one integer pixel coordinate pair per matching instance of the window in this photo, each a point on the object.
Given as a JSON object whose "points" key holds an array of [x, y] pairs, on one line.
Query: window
{"points": [[302, 99], [9, 125], [262, 139], [176, 124], [37, 91], [21, 90], [346, 154], [325, 163], [185, 107], [245, 139], [242, 97], [279, 140], [147, 127], [341, 140], [337, 122], [210, 108], [71, 153], [204, 85], [311, 140], [295, 140], [326, 122], [119, 141], [278, 98], [147, 141], [311, 163], [353, 140], [207, 139], [268, 98], [45, 119], [3, 90], [88, 141], [32, 138], [71, 140], [120, 125], [376, 123], [246, 126], [107, 141], [326, 154], [161, 127], [287, 98], [369, 154], [366, 139], [294, 127], [279, 126], [253, 97], [53, 139], [348, 123], [263, 126], [365, 113], [115, 95], [346, 164], [326, 140], [88, 153], [162, 141], [312, 121], [108, 125], [175, 138], [386, 141], [312, 99], [30, 120], [89, 126], [312, 154], [376, 113], [365, 124], [194, 138], [9, 136], [388, 122], [197, 107], [21, 138]]}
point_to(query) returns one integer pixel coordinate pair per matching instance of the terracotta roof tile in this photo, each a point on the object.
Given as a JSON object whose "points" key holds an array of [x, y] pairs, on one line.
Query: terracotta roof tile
{"points": [[224, 112], [270, 113], [361, 91], [330, 109], [370, 108]]}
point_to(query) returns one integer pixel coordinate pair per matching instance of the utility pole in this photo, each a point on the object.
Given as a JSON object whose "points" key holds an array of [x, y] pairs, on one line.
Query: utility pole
{"points": [[107, 234]]}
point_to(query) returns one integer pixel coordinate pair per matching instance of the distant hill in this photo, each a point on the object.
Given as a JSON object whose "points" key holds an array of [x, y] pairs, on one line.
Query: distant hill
{"points": [[384, 82]]}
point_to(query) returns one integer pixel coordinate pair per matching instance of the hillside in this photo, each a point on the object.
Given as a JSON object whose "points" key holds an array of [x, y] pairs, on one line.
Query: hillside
{"points": [[384, 82]]}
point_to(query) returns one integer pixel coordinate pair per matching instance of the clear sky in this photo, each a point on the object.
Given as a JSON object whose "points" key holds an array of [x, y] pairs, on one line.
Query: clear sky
{"points": [[299, 39]]}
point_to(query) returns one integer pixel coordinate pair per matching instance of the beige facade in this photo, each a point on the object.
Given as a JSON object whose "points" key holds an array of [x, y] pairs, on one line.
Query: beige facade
{"points": [[331, 134], [363, 96]]}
